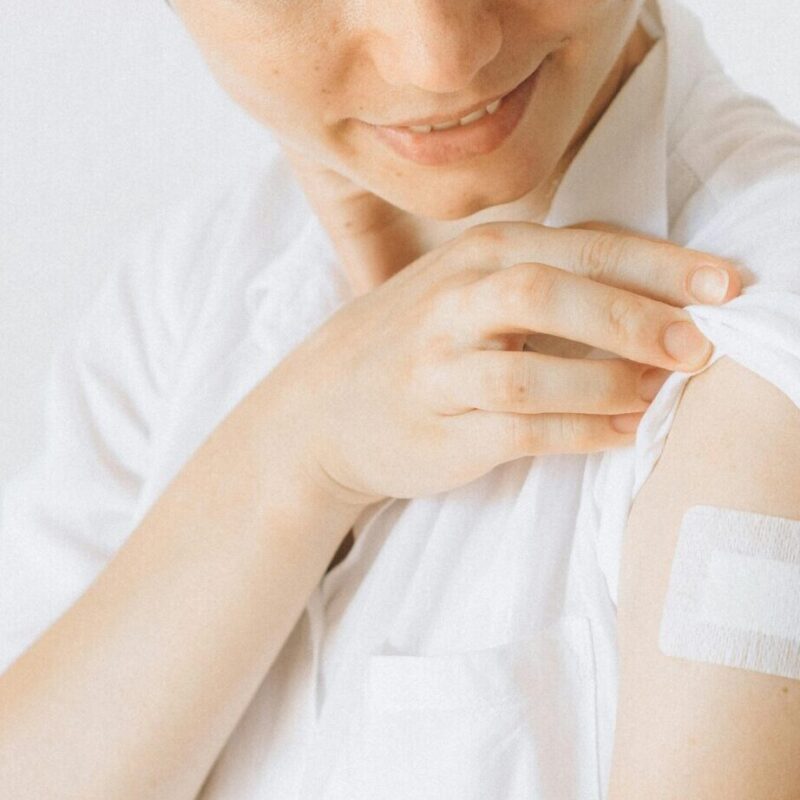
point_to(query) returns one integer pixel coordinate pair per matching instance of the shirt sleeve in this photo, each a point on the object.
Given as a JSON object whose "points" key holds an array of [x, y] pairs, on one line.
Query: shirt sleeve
{"points": [[63, 517], [751, 215], [749, 212], [759, 329]]}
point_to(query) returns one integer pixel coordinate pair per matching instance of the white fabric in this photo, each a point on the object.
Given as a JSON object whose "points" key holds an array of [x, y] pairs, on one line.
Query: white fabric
{"points": [[734, 591], [465, 648]]}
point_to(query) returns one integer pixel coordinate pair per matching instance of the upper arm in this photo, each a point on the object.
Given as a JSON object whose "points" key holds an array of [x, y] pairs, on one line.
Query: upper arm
{"points": [[690, 729]]}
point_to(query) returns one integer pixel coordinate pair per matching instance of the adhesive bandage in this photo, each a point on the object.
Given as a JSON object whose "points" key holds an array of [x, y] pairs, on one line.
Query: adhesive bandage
{"points": [[734, 592]]}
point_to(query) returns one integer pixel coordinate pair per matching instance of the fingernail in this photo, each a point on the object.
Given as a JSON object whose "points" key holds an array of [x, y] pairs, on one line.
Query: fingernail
{"points": [[684, 342], [709, 284], [626, 423], [650, 381]]}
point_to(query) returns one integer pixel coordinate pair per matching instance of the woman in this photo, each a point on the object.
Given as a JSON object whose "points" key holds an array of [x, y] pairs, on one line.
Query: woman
{"points": [[339, 468]]}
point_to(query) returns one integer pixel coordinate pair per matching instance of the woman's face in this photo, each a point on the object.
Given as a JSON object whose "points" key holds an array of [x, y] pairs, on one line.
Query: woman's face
{"points": [[322, 73]]}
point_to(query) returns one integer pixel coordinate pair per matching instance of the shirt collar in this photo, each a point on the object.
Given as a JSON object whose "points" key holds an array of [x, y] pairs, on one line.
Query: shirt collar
{"points": [[618, 176], [298, 291]]}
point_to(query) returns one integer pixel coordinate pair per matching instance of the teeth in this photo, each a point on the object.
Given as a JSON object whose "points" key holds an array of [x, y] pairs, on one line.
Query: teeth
{"points": [[445, 125], [473, 117]]}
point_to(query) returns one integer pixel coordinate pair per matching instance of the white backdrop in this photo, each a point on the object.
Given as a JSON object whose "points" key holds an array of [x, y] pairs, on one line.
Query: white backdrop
{"points": [[107, 114]]}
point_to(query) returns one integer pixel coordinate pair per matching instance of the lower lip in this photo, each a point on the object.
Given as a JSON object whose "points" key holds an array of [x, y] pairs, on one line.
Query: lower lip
{"points": [[465, 141]]}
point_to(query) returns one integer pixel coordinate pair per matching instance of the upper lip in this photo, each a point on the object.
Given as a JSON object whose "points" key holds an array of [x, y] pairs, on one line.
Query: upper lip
{"points": [[438, 119]]}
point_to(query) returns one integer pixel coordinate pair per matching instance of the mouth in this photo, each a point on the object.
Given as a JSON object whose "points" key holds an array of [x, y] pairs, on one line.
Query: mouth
{"points": [[476, 134]]}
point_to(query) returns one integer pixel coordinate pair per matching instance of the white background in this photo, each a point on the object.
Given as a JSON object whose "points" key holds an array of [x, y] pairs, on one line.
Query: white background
{"points": [[107, 114]]}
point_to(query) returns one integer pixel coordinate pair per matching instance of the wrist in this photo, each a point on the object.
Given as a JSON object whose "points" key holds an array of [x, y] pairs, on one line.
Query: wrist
{"points": [[286, 453]]}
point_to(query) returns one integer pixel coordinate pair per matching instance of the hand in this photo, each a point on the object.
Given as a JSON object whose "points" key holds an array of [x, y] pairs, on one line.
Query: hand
{"points": [[419, 386]]}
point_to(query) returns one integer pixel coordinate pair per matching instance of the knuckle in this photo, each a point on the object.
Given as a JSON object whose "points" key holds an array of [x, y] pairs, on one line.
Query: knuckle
{"points": [[624, 314], [572, 430], [595, 225], [469, 275], [418, 375], [481, 244], [486, 234], [609, 384], [601, 254], [445, 305], [432, 387], [531, 285], [523, 434]]}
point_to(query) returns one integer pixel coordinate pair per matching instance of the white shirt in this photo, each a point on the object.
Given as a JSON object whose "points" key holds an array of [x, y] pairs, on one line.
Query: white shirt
{"points": [[465, 647]]}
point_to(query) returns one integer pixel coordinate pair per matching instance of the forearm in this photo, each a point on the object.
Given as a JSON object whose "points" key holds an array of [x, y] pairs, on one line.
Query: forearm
{"points": [[134, 690]]}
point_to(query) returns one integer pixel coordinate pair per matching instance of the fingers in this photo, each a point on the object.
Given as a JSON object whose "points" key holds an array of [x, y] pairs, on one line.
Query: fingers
{"points": [[506, 436], [596, 225], [643, 265], [540, 298], [535, 383]]}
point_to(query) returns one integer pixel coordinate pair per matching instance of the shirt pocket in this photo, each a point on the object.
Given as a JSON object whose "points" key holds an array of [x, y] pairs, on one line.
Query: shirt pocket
{"points": [[513, 721]]}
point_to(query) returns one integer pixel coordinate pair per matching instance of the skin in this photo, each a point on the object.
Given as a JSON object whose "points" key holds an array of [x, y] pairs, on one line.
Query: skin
{"points": [[689, 728], [387, 62], [384, 63], [146, 675]]}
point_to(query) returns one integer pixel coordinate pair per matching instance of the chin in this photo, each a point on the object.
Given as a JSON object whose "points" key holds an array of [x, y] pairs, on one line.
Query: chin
{"points": [[464, 196]]}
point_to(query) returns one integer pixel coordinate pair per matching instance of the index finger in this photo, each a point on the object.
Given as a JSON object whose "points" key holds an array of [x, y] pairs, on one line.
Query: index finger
{"points": [[644, 265]]}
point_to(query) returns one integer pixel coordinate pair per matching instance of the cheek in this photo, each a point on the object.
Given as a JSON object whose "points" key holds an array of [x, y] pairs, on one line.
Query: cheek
{"points": [[273, 63], [584, 21], [594, 32], [284, 99], [569, 17], [286, 92]]}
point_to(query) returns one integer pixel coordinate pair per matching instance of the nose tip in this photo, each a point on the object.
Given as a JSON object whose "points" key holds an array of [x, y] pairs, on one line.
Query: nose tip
{"points": [[438, 46]]}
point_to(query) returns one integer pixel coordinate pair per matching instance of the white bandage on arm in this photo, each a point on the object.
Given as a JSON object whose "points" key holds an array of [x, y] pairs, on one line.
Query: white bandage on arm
{"points": [[734, 592]]}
